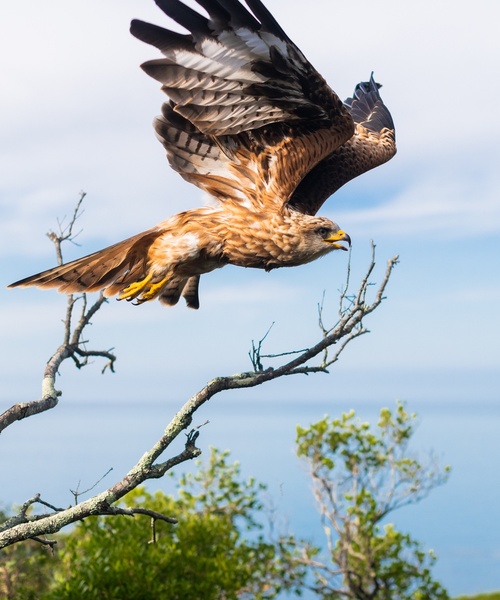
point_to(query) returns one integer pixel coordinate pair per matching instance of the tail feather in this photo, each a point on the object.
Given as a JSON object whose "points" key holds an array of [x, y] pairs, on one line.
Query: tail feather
{"points": [[187, 287], [112, 268], [190, 292]]}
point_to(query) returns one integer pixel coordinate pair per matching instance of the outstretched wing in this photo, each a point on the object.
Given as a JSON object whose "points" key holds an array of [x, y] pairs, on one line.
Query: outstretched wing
{"points": [[254, 116], [373, 143]]}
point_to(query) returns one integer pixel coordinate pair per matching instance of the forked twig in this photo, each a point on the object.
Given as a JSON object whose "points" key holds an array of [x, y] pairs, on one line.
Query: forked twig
{"points": [[73, 345], [353, 309]]}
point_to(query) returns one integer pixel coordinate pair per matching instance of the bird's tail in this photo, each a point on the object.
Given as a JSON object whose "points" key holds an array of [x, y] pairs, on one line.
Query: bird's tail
{"points": [[114, 267], [176, 286], [123, 269]]}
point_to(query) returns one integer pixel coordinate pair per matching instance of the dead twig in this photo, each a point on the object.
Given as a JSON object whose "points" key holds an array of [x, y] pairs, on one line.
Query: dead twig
{"points": [[73, 345], [354, 308]]}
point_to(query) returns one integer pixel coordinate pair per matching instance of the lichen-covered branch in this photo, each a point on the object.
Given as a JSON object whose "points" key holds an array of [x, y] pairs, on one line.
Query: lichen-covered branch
{"points": [[152, 465], [353, 309], [73, 345]]}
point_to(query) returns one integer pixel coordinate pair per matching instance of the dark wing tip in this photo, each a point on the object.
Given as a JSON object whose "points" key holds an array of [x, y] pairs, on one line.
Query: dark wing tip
{"points": [[161, 38], [25, 282], [363, 88], [185, 16], [366, 106], [269, 23]]}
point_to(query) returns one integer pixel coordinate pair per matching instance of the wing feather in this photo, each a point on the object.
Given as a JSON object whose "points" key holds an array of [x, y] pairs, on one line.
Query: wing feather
{"points": [[249, 93], [373, 143]]}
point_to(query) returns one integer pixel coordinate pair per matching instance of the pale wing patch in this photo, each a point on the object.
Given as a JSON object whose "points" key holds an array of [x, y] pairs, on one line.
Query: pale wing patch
{"points": [[269, 39], [257, 114], [230, 69], [235, 52], [190, 244]]}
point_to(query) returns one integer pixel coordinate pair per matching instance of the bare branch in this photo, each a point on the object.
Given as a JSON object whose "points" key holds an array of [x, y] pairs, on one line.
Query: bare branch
{"points": [[46, 542], [73, 346], [24, 513], [66, 233], [77, 493], [255, 352], [102, 504], [156, 516], [347, 328], [151, 465]]}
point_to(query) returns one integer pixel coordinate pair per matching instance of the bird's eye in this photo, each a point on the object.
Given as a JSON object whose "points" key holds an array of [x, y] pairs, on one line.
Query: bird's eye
{"points": [[323, 231]]}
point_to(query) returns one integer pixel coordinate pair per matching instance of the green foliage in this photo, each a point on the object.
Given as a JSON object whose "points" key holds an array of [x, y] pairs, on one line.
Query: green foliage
{"points": [[204, 556], [219, 550], [360, 476], [25, 569]]}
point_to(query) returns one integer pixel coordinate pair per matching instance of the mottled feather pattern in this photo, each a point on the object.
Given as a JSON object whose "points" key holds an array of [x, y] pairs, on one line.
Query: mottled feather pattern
{"points": [[253, 124], [248, 55], [373, 143]]}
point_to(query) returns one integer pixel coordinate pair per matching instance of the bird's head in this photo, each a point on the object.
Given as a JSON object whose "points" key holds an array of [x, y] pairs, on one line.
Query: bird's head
{"points": [[324, 235], [314, 237]]}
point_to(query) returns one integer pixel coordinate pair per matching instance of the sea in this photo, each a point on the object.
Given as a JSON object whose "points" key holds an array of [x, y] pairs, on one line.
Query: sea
{"points": [[74, 445]]}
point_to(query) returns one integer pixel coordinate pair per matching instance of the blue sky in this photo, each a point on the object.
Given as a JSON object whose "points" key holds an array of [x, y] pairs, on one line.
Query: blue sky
{"points": [[76, 113]]}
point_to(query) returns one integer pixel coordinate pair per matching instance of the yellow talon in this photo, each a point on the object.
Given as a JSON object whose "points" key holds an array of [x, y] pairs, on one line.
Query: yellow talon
{"points": [[153, 291], [134, 289], [143, 288]]}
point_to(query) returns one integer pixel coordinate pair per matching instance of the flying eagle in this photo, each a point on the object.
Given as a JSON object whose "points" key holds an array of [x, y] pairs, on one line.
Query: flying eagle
{"points": [[253, 124]]}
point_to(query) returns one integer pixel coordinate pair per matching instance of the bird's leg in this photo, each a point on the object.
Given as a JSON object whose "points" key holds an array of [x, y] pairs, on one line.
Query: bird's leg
{"points": [[154, 290], [134, 289], [143, 288]]}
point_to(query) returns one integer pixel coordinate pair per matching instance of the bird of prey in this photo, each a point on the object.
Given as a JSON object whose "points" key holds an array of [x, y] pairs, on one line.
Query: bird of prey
{"points": [[252, 123]]}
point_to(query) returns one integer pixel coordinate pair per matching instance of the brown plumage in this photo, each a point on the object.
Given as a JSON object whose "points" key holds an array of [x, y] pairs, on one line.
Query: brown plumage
{"points": [[251, 122]]}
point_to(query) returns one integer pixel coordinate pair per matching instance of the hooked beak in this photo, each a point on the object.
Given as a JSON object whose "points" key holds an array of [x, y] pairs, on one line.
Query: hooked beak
{"points": [[339, 236]]}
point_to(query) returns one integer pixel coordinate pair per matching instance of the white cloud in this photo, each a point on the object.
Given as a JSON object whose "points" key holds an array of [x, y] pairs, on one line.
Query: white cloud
{"points": [[76, 112], [454, 207]]}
